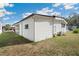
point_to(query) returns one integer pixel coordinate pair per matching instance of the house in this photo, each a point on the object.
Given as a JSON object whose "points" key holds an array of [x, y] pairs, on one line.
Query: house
{"points": [[38, 27], [71, 27]]}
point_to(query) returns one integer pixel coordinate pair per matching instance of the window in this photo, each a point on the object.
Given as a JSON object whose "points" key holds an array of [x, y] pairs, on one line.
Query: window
{"points": [[63, 25], [26, 26]]}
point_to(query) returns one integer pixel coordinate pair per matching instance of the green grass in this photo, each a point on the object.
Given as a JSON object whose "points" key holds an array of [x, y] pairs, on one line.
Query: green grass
{"points": [[67, 45], [10, 38]]}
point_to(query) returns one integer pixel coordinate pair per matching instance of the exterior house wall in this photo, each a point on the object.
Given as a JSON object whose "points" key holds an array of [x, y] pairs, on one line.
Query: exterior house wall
{"points": [[58, 26], [43, 28], [17, 28], [27, 33], [0, 28], [21, 28], [39, 27], [64, 29]]}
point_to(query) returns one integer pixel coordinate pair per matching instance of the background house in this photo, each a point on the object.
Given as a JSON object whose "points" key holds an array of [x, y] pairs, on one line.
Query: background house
{"points": [[8, 28], [38, 27]]}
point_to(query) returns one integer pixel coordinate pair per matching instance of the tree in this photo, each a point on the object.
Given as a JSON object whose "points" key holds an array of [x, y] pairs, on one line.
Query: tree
{"points": [[73, 20], [7, 27]]}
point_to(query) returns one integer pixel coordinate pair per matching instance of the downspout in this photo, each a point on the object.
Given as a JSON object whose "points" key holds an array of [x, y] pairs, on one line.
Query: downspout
{"points": [[53, 26]]}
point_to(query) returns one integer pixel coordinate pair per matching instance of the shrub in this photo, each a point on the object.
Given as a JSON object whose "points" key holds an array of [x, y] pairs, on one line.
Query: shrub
{"points": [[54, 35], [76, 30], [59, 34]]}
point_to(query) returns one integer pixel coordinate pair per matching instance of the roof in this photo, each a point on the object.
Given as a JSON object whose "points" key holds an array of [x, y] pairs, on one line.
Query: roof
{"points": [[39, 15]]}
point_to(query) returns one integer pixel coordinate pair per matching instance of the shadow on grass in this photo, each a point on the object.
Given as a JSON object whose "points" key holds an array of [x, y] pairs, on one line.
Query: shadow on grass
{"points": [[10, 38]]}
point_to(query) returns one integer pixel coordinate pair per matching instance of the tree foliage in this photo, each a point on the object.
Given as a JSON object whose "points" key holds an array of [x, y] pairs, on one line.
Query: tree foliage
{"points": [[73, 20], [7, 27]]}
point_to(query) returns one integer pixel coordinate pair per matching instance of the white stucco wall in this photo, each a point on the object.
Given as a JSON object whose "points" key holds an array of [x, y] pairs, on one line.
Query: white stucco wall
{"points": [[64, 29], [21, 28], [58, 27], [40, 28], [43, 28], [17, 28], [27, 33], [0, 28]]}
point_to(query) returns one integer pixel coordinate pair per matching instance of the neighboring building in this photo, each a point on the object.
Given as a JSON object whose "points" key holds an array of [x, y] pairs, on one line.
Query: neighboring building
{"points": [[38, 27], [71, 27]]}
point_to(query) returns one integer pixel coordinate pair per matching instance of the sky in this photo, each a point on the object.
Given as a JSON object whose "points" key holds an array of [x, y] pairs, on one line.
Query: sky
{"points": [[11, 13]]}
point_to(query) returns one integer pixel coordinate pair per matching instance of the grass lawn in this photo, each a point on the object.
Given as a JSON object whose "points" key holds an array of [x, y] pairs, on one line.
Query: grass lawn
{"points": [[10, 38], [13, 44]]}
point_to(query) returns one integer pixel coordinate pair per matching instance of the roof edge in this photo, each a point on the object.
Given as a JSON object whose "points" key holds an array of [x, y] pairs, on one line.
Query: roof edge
{"points": [[40, 15]]}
